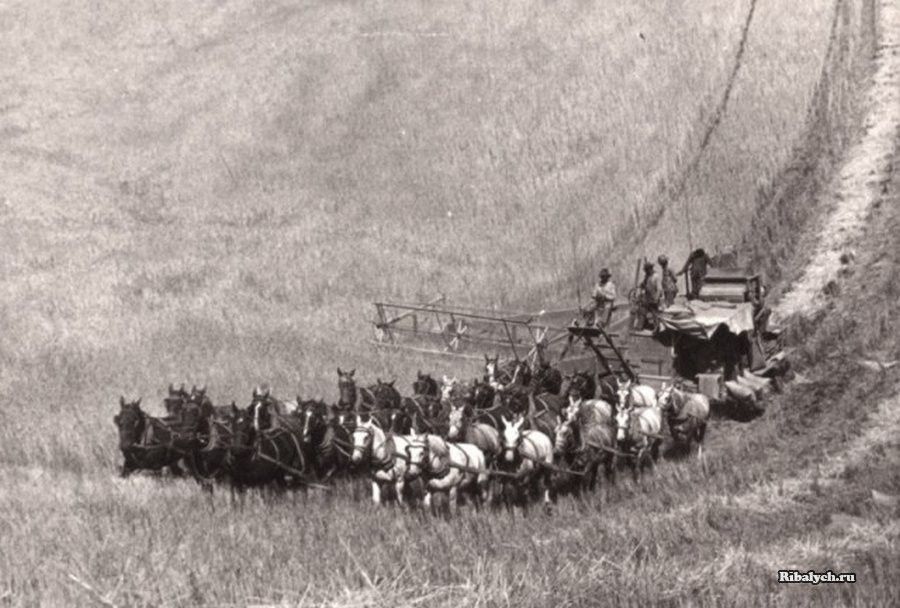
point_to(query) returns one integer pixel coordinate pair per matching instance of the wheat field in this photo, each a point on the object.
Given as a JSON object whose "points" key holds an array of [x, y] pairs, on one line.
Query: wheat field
{"points": [[214, 192]]}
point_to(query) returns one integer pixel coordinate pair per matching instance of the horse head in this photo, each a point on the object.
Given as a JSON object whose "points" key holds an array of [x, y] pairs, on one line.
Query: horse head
{"points": [[522, 373], [425, 385], [179, 391], [384, 393], [580, 384], [175, 399], [623, 393], [512, 437], [198, 395], [400, 422], [459, 414], [417, 454], [363, 432], [130, 421], [623, 424], [571, 410], [546, 379], [483, 395], [664, 397]]}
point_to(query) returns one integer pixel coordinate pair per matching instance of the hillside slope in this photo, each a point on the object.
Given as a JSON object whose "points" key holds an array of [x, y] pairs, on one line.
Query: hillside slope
{"points": [[175, 207], [216, 192]]}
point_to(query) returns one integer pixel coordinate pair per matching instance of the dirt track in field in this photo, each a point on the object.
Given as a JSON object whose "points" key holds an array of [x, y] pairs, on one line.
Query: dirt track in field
{"points": [[861, 182]]}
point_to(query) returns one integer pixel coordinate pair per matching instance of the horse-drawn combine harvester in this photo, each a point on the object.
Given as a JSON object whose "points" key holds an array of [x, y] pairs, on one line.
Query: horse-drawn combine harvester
{"points": [[718, 343]]}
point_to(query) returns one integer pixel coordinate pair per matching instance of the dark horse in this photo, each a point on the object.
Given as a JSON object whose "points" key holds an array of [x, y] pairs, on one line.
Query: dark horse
{"points": [[546, 378], [209, 463], [482, 395], [147, 442], [318, 435], [175, 399], [540, 412], [425, 405], [378, 399], [580, 385], [426, 385], [492, 415], [427, 411], [583, 443], [381, 395], [258, 458]]}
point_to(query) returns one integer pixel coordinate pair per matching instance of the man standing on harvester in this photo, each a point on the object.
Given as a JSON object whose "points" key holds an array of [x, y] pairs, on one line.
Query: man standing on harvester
{"points": [[669, 281], [604, 296], [650, 295], [696, 265]]}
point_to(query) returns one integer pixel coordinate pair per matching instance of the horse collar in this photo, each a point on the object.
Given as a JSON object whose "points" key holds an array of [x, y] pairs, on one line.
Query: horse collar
{"points": [[438, 473]]}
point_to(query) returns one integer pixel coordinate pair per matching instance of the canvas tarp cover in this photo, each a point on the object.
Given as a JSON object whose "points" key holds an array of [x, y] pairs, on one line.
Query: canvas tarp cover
{"points": [[701, 319]]}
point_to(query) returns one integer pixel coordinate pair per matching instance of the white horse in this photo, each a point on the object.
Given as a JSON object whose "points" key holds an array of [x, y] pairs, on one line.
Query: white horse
{"points": [[451, 468], [370, 442], [638, 434], [586, 438], [632, 394], [483, 436], [529, 453], [589, 409], [687, 415]]}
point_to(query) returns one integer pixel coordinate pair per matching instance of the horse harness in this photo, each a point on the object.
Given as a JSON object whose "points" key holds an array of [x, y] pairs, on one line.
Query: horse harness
{"points": [[146, 440]]}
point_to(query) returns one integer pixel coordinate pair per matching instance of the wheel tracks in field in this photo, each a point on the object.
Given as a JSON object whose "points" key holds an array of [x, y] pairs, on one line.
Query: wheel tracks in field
{"points": [[861, 181], [859, 184], [720, 109], [676, 192]]}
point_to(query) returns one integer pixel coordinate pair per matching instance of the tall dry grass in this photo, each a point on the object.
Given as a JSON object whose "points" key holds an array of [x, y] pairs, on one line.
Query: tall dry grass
{"points": [[214, 192]]}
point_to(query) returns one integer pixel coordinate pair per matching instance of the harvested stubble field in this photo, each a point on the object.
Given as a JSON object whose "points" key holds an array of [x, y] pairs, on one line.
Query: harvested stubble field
{"points": [[214, 191]]}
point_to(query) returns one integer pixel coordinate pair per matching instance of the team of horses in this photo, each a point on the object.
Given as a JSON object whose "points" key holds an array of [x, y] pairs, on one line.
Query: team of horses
{"points": [[514, 436]]}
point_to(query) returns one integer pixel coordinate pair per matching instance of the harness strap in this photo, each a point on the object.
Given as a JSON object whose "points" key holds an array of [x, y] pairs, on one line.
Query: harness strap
{"points": [[294, 471]]}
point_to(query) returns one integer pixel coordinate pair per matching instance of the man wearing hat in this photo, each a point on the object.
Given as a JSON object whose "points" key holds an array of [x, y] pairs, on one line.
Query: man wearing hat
{"points": [[604, 296], [696, 266], [669, 281], [650, 297]]}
